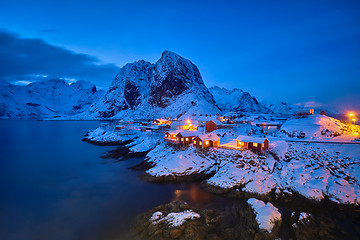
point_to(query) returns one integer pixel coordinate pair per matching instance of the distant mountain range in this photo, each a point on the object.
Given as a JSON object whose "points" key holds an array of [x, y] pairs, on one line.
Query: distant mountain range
{"points": [[171, 87], [46, 99]]}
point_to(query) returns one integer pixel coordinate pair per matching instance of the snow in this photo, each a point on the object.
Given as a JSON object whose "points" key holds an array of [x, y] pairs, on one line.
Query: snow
{"points": [[314, 170], [313, 125], [253, 139], [46, 99], [176, 163], [210, 136], [169, 88], [236, 100], [266, 213], [174, 219]]}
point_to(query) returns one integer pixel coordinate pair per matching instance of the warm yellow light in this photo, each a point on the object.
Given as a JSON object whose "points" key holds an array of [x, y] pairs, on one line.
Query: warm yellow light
{"points": [[207, 142], [188, 121], [186, 139], [351, 114], [353, 119]]}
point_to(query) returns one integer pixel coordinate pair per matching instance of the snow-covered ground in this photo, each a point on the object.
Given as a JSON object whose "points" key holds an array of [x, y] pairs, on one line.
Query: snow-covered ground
{"points": [[266, 213], [174, 219], [314, 170]]}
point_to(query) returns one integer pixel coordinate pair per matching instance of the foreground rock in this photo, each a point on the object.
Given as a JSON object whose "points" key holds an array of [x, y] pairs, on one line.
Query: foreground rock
{"points": [[171, 221]]}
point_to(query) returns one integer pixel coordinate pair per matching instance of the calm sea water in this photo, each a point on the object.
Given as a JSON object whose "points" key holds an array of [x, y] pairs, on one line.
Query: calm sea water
{"points": [[55, 186]]}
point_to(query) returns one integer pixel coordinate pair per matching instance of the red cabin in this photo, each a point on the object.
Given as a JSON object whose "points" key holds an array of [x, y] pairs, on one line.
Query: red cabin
{"points": [[252, 143]]}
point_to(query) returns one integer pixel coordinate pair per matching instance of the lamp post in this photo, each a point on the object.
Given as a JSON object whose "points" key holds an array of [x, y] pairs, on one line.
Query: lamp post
{"points": [[353, 120]]}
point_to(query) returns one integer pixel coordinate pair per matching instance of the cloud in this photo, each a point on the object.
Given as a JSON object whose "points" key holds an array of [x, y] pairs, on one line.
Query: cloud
{"points": [[24, 59], [310, 104]]}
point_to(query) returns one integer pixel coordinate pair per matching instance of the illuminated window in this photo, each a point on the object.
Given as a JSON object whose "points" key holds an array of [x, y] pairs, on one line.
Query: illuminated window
{"points": [[194, 142], [182, 139], [255, 144], [207, 142], [178, 139], [200, 142], [187, 139]]}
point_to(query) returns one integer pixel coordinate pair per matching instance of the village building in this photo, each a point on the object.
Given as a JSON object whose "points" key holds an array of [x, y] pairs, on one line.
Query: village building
{"points": [[164, 126], [143, 123], [190, 125], [207, 140], [212, 125], [171, 135], [160, 121], [305, 112], [252, 143], [186, 137]]}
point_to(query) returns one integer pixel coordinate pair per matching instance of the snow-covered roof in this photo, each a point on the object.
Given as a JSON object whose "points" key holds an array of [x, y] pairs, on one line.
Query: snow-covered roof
{"points": [[195, 123], [209, 136], [217, 121], [161, 120], [253, 139], [163, 125], [188, 133], [173, 132]]}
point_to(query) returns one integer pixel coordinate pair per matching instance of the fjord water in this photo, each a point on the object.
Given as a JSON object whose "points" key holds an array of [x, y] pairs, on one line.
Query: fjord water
{"points": [[55, 186]]}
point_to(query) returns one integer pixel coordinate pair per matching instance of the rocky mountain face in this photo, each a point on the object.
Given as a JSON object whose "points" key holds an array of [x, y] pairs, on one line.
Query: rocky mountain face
{"points": [[237, 100], [171, 87], [46, 98]]}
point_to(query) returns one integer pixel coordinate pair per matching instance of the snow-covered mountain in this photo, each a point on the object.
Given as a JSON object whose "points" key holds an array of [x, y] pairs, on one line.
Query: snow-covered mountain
{"points": [[171, 87], [236, 100], [46, 98], [283, 108]]}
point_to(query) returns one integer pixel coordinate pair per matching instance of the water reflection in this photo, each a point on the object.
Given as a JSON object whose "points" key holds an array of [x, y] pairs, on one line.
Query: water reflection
{"points": [[194, 195]]}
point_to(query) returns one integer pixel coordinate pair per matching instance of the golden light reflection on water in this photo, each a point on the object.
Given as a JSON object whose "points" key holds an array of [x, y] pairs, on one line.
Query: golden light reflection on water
{"points": [[194, 195]]}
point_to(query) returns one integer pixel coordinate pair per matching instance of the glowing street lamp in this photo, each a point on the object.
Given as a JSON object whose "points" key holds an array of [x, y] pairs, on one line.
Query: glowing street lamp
{"points": [[351, 114], [353, 120]]}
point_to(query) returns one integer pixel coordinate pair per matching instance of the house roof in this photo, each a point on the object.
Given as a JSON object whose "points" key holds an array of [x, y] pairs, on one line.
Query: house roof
{"points": [[253, 139], [195, 123], [173, 132], [161, 120], [188, 133], [209, 136], [216, 121]]}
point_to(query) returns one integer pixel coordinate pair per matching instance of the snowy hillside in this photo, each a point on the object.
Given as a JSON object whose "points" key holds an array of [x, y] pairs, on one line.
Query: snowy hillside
{"points": [[314, 126], [170, 87], [236, 100], [46, 98]]}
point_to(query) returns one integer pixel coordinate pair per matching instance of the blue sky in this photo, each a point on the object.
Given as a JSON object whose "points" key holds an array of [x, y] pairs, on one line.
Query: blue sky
{"points": [[293, 51]]}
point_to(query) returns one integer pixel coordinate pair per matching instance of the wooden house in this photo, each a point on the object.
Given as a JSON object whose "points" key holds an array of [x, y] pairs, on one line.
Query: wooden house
{"points": [[160, 121], [164, 126], [171, 135], [252, 143], [191, 125], [212, 125], [186, 137], [206, 140]]}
